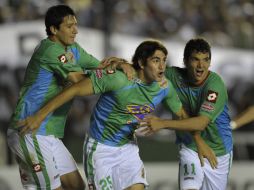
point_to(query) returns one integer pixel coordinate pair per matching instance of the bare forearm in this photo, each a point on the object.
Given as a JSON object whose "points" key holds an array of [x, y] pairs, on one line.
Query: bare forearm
{"points": [[75, 77], [82, 88], [245, 118], [191, 124]]}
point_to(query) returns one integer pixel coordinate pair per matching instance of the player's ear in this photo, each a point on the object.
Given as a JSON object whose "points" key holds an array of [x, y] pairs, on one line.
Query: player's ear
{"points": [[53, 30], [140, 63]]}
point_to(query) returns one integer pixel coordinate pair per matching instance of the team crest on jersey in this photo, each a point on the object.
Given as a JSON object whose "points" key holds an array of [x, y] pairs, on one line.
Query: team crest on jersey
{"points": [[139, 111], [163, 83], [62, 58], [99, 73], [212, 96], [37, 168], [70, 57]]}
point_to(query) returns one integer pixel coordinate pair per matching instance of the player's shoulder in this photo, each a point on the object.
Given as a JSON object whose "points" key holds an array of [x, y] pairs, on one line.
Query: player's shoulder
{"points": [[213, 77], [174, 71], [49, 48], [111, 75], [116, 75]]}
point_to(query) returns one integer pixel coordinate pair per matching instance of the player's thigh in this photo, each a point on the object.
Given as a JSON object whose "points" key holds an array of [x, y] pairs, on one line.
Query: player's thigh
{"points": [[130, 172], [136, 187], [36, 160], [67, 167], [217, 179], [72, 181], [191, 174], [99, 159]]}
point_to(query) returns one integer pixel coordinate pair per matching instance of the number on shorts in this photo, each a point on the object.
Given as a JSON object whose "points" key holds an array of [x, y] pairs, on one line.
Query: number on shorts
{"points": [[193, 169], [106, 183]]}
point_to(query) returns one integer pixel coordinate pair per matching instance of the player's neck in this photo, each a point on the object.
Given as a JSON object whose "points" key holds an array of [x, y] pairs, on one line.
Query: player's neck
{"points": [[54, 39], [142, 77]]}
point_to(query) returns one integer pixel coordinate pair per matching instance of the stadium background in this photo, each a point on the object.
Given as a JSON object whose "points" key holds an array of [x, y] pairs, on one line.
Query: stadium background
{"points": [[116, 27]]}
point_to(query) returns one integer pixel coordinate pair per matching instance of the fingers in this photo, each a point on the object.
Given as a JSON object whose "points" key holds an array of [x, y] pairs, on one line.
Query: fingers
{"points": [[213, 161], [201, 159], [143, 124], [24, 130], [21, 123]]}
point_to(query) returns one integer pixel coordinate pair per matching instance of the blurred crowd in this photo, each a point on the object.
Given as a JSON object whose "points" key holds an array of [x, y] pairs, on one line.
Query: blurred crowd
{"points": [[222, 22]]}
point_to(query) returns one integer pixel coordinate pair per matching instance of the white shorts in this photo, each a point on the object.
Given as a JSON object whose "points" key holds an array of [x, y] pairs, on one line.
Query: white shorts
{"points": [[42, 160], [193, 176], [112, 168]]}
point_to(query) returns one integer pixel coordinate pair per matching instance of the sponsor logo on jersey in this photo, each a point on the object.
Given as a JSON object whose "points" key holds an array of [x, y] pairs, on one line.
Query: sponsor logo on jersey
{"points": [[62, 58], [37, 167], [99, 73], [110, 71], [207, 107], [139, 111], [212, 96]]}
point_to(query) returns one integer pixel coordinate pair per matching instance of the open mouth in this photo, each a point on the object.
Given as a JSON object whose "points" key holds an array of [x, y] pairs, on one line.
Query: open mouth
{"points": [[161, 74], [199, 72]]}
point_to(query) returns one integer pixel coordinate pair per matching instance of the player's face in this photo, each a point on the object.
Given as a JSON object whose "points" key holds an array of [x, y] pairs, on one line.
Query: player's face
{"points": [[155, 67], [67, 31], [197, 66]]}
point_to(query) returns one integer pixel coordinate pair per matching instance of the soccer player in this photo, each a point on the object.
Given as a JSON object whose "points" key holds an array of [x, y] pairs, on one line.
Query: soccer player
{"points": [[44, 162], [244, 118], [204, 97], [111, 154]]}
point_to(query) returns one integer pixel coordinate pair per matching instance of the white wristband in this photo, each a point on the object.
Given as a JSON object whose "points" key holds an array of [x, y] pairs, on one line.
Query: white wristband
{"points": [[233, 125]]}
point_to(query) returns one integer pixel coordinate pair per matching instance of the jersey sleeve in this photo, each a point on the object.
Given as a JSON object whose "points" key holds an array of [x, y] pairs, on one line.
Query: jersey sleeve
{"points": [[214, 99], [103, 81], [55, 61], [86, 60], [172, 101]]}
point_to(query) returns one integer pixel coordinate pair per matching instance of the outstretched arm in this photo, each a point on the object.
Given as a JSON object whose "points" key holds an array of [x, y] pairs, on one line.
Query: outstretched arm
{"points": [[32, 123], [244, 118], [154, 123]]}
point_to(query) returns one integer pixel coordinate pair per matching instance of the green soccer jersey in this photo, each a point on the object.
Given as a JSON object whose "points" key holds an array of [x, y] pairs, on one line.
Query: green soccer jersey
{"points": [[44, 78], [209, 99], [123, 103]]}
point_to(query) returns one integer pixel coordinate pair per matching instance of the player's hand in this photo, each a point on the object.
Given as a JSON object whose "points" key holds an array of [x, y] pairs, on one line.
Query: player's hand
{"points": [[113, 63], [204, 151], [127, 69], [29, 125], [150, 125]]}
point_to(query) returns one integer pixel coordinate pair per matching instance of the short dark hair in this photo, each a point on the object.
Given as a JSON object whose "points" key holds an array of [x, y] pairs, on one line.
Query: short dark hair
{"points": [[198, 45], [54, 16], [145, 50]]}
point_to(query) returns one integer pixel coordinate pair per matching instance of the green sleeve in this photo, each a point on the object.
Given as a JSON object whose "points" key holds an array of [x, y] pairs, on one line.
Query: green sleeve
{"points": [[54, 60], [86, 60], [105, 82], [172, 101], [214, 99]]}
